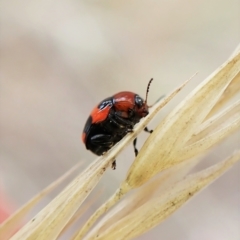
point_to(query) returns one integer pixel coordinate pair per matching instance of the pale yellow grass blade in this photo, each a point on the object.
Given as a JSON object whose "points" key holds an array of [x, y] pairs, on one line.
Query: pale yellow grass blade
{"points": [[80, 212], [158, 209], [217, 121], [178, 127], [210, 140], [232, 90], [156, 186], [49, 222], [116, 149], [14, 220]]}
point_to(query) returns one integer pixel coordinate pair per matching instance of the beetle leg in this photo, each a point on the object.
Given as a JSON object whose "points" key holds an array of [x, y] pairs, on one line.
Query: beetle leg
{"points": [[134, 146], [135, 141], [147, 130], [114, 164]]}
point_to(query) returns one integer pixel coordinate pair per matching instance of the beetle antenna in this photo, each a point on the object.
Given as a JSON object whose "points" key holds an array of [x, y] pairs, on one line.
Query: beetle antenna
{"points": [[148, 86]]}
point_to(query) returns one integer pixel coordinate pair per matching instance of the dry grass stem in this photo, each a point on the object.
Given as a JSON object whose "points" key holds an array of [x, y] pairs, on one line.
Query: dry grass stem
{"points": [[16, 218], [156, 186], [159, 208], [80, 212], [50, 221], [210, 140], [232, 90], [216, 121]]}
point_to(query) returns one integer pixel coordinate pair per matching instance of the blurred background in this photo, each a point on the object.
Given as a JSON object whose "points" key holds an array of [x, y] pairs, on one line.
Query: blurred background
{"points": [[60, 58]]}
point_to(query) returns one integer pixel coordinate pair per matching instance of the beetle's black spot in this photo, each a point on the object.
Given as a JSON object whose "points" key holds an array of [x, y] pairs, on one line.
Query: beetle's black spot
{"points": [[105, 102]]}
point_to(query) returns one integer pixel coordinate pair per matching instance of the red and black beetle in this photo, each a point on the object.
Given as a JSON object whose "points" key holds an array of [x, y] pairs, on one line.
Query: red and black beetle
{"points": [[112, 119]]}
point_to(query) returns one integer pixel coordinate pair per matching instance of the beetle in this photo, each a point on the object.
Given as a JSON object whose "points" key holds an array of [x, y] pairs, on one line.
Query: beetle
{"points": [[112, 119]]}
